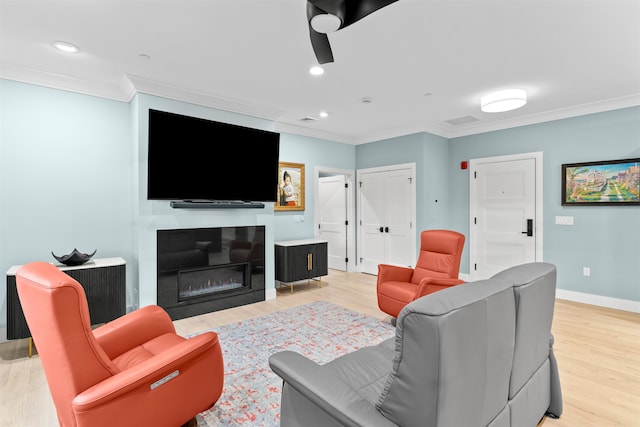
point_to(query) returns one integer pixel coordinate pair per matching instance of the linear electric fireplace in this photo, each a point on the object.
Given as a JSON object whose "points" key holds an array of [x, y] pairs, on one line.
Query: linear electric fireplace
{"points": [[201, 270]]}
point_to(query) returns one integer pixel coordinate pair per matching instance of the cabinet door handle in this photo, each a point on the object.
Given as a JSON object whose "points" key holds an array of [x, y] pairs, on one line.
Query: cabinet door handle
{"points": [[309, 261], [381, 229], [386, 229]]}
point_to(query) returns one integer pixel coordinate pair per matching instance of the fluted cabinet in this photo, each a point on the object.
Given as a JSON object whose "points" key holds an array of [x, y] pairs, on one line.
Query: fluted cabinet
{"points": [[104, 283], [301, 260]]}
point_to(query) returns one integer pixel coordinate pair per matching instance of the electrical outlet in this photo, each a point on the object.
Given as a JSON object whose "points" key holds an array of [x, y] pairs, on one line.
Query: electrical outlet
{"points": [[586, 271]]}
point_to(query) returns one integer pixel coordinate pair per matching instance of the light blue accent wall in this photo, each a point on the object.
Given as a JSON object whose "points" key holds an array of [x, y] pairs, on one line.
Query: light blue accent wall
{"points": [[65, 176], [430, 153], [605, 238]]}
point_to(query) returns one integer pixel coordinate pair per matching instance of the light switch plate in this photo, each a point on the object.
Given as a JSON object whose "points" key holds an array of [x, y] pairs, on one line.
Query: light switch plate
{"points": [[564, 220]]}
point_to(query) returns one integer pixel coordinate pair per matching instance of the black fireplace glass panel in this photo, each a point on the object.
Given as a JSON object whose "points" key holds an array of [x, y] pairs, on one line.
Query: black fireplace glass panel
{"points": [[220, 255]]}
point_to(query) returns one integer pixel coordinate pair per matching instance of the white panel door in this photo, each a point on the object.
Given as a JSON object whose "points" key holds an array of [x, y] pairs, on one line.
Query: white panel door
{"points": [[503, 216], [332, 227], [387, 215], [400, 248], [373, 216]]}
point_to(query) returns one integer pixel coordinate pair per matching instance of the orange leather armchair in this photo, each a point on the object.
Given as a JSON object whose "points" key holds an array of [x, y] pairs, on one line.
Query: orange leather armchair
{"points": [[437, 268], [133, 371]]}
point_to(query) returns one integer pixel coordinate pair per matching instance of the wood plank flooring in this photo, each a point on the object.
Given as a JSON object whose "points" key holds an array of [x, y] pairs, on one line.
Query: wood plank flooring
{"points": [[598, 352]]}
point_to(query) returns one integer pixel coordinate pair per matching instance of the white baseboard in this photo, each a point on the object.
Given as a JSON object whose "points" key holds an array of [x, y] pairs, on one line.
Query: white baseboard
{"points": [[616, 303], [270, 294]]}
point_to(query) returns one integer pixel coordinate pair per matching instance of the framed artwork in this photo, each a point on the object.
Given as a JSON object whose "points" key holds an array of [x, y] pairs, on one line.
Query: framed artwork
{"points": [[290, 187], [610, 182]]}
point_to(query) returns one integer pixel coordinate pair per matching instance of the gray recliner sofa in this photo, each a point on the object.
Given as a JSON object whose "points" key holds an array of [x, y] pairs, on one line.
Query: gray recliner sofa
{"points": [[476, 354]]}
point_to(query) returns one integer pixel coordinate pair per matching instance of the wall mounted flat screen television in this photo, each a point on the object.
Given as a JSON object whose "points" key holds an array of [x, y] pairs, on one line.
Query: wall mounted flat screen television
{"points": [[194, 159]]}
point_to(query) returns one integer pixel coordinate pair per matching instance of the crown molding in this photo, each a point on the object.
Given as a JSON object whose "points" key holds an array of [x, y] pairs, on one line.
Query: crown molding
{"points": [[563, 113], [123, 92], [152, 87], [313, 133]]}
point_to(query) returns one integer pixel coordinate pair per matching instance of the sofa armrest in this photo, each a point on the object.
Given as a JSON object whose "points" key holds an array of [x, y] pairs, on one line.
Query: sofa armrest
{"points": [[394, 273], [429, 285], [148, 372], [326, 390], [133, 329]]}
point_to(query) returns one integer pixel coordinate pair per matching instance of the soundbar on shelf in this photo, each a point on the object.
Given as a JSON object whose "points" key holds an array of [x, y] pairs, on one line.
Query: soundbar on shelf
{"points": [[215, 204]]}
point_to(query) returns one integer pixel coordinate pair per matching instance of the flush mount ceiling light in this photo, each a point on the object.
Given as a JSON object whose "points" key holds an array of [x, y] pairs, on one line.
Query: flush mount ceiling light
{"points": [[65, 46], [504, 100], [325, 23], [324, 114]]}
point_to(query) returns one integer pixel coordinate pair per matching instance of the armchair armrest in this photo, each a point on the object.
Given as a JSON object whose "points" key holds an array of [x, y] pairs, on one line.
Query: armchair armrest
{"points": [[109, 391], [326, 390], [427, 285], [394, 273], [133, 329]]}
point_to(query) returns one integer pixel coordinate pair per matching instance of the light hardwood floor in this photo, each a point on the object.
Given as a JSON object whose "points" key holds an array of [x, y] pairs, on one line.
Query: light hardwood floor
{"points": [[598, 352]]}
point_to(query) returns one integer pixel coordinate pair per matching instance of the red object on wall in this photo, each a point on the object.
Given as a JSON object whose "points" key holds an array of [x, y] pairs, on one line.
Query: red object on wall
{"points": [[464, 164]]}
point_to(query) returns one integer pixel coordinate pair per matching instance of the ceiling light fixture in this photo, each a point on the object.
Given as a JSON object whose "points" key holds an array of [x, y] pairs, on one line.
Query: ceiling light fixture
{"points": [[65, 46], [325, 23], [504, 100], [324, 114], [316, 70]]}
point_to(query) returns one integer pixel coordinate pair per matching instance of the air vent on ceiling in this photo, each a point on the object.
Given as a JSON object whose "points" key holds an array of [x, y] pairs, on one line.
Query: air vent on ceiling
{"points": [[462, 120]]}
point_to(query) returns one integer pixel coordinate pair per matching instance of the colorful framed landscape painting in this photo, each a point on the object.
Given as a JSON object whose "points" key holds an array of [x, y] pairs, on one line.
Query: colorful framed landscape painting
{"points": [[611, 182]]}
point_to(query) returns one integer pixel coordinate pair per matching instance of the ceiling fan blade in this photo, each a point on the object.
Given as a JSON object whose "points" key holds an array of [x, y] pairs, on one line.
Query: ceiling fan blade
{"points": [[319, 41], [321, 47]]}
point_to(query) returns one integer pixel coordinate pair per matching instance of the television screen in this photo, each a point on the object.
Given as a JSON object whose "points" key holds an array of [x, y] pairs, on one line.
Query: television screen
{"points": [[195, 159]]}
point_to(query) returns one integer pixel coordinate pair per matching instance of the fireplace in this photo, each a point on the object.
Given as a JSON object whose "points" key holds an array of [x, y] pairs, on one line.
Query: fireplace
{"points": [[200, 270]]}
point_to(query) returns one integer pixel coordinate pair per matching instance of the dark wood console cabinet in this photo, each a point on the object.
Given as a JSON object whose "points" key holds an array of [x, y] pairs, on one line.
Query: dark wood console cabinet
{"points": [[104, 283], [300, 260]]}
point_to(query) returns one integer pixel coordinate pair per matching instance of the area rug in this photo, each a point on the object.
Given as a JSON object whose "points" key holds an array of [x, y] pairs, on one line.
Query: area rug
{"points": [[320, 330]]}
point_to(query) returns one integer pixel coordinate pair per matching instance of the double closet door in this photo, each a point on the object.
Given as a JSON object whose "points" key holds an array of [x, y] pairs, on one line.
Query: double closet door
{"points": [[386, 217]]}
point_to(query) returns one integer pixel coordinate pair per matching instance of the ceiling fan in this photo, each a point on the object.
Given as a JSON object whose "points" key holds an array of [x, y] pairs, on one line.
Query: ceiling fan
{"points": [[326, 16]]}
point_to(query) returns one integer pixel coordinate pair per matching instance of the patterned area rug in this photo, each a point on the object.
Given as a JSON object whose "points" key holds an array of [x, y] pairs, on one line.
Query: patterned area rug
{"points": [[320, 330]]}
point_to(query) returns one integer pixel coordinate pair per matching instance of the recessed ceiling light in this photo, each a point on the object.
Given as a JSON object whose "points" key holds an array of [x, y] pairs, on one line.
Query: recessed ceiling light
{"points": [[504, 100], [65, 46], [324, 114], [316, 70]]}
